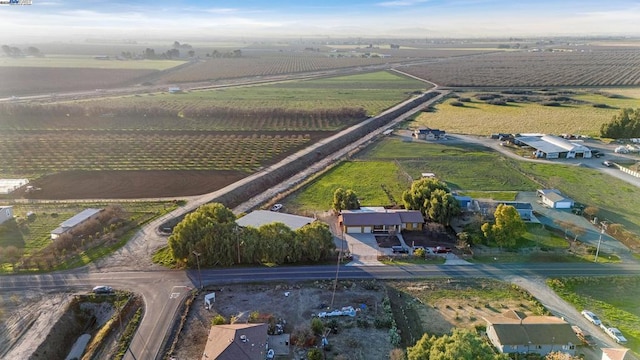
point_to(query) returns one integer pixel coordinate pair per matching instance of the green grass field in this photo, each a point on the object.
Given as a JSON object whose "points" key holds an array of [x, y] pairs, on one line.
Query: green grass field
{"points": [[480, 118], [374, 92], [613, 299], [461, 167], [76, 61], [367, 178]]}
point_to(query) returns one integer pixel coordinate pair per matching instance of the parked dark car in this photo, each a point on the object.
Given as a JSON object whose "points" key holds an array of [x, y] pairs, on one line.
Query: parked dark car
{"points": [[399, 250]]}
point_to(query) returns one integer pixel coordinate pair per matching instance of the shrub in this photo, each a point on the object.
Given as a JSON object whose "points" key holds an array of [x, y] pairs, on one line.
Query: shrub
{"points": [[314, 354], [317, 326], [218, 320]]}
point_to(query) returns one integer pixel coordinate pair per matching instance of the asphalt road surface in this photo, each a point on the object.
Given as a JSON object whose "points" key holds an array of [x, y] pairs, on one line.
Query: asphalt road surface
{"points": [[163, 291]]}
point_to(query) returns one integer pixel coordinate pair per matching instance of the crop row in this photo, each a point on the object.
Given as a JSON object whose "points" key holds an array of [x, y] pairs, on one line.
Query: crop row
{"points": [[55, 151], [227, 68], [76, 116], [594, 68]]}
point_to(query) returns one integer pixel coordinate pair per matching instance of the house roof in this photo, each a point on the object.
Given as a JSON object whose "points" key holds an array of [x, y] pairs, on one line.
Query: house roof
{"points": [[380, 216], [262, 217], [79, 217], [370, 218], [548, 191], [614, 354], [551, 144], [532, 330], [555, 197], [236, 342], [410, 216], [516, 204]]}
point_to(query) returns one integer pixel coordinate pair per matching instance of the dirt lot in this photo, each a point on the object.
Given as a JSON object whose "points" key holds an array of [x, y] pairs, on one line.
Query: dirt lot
{"points": [[357, 337], [432, 306], [130, 184]]}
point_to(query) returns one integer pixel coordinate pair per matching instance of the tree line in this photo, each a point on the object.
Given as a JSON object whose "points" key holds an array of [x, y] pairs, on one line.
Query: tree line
{"points": [[211, 236], [14, 51], [624, 125]]}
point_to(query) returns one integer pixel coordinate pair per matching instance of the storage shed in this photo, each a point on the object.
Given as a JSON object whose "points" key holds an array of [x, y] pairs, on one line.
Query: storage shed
{"points": [[554, 199]]}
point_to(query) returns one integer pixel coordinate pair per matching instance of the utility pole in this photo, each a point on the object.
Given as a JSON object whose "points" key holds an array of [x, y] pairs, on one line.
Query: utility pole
{"points": [[197, 254], [598, 248], [335, 283]]}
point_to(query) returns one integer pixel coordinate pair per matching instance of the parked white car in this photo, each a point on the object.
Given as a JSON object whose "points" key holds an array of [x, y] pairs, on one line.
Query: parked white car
{"points": [[591, 317], [614, 333]]}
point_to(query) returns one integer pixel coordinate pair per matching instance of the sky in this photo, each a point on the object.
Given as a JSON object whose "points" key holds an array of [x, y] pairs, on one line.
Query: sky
{"points": [[59, 19]]}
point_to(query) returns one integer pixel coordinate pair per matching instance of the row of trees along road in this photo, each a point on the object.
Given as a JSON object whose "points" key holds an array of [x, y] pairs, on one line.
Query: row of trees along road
{"points": [[434, 200], [212, 232]]}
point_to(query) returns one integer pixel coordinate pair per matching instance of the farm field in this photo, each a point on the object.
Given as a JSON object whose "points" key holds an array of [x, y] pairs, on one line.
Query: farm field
{"points": [[613, 299], [480, 118], [592, 67], [222, 138], [74, 61], [55, 151], [373, 92], [286, 60], [376, 183], [19, 81]]}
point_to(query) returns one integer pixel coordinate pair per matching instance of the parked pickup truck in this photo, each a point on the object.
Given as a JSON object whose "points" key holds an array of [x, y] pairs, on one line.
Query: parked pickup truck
{"points": [[614, 333], [584, 336]]}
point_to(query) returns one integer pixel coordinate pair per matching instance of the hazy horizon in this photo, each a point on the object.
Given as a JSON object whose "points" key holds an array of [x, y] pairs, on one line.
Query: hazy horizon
{"points": [[57, 19]]}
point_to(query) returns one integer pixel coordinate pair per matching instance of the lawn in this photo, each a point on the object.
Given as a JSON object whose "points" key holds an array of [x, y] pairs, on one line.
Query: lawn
{"points": [[479, 118], [613, 299], [77, 61], [461, 167], [376, 183]]}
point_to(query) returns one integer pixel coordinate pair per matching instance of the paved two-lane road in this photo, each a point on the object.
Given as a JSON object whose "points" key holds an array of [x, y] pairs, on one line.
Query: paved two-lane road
{"points": [[163, 291]]}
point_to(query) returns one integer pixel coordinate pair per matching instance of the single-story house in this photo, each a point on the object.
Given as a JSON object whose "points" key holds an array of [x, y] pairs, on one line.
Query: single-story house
{"points": [[554, 147], [6, 213], [524, 208], [77, 219], [429, 134], [615, 354], [258, 218], [370, 220], [515, 332], [554, 199], [174, 90], [428, 175], [237, 342]]}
